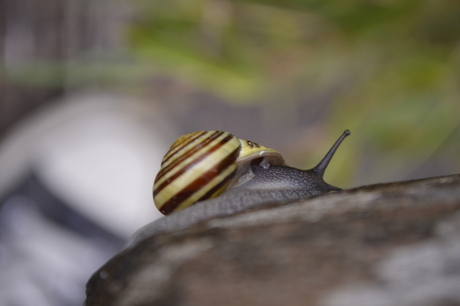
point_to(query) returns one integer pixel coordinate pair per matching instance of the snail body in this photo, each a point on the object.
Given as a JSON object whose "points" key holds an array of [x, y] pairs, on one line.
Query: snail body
{"points": [[259, 177]]}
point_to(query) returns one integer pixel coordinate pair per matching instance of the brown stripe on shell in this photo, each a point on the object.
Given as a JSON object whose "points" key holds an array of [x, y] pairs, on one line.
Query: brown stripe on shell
{"points": [[170, 205], [215, 190], [181, 143], [209, 138]]}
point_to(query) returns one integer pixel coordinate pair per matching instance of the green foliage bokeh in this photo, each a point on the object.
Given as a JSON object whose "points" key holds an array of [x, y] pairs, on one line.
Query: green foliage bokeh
{"points": [[390, 69]]}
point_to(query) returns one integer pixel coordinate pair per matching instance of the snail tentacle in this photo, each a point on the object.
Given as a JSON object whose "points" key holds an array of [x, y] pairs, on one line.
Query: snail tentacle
{"points": [[322, 165]]}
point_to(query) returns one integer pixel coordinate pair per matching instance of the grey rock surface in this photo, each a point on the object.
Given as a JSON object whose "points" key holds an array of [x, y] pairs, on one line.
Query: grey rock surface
{"points": [[386, 244]]}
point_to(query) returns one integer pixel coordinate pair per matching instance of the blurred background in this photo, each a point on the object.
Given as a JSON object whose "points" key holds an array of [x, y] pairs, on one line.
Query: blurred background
{"points": [[93, 92]]}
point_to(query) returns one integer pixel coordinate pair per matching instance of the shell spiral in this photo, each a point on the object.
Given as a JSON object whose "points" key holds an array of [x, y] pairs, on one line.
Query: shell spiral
{"points": [[198, 166]]}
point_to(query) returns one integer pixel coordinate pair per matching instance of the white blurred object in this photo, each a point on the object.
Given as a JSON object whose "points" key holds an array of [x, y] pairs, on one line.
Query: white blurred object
{"points": [[40, 263], [97, 152], [76, 180]]}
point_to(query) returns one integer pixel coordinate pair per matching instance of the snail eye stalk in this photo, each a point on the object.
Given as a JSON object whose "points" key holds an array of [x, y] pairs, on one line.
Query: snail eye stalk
{"points": [[321, 167]]}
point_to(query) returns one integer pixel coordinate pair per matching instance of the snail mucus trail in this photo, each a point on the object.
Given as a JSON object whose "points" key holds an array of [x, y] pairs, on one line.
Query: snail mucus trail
{"points": [[210, 174]]}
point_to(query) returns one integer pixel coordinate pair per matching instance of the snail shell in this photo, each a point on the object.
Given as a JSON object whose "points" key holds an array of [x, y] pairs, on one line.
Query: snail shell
{"points": [[202, 165]]}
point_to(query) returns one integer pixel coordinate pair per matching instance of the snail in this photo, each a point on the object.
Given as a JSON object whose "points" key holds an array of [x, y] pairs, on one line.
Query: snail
{"points": [[209, 174]]}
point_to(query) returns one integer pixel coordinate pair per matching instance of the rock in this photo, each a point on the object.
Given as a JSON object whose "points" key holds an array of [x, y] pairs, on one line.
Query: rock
{"points": [[386, 244]]}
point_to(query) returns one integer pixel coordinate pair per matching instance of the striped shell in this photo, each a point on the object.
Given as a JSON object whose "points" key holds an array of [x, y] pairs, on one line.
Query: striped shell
{"points": [[201, 165]]}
